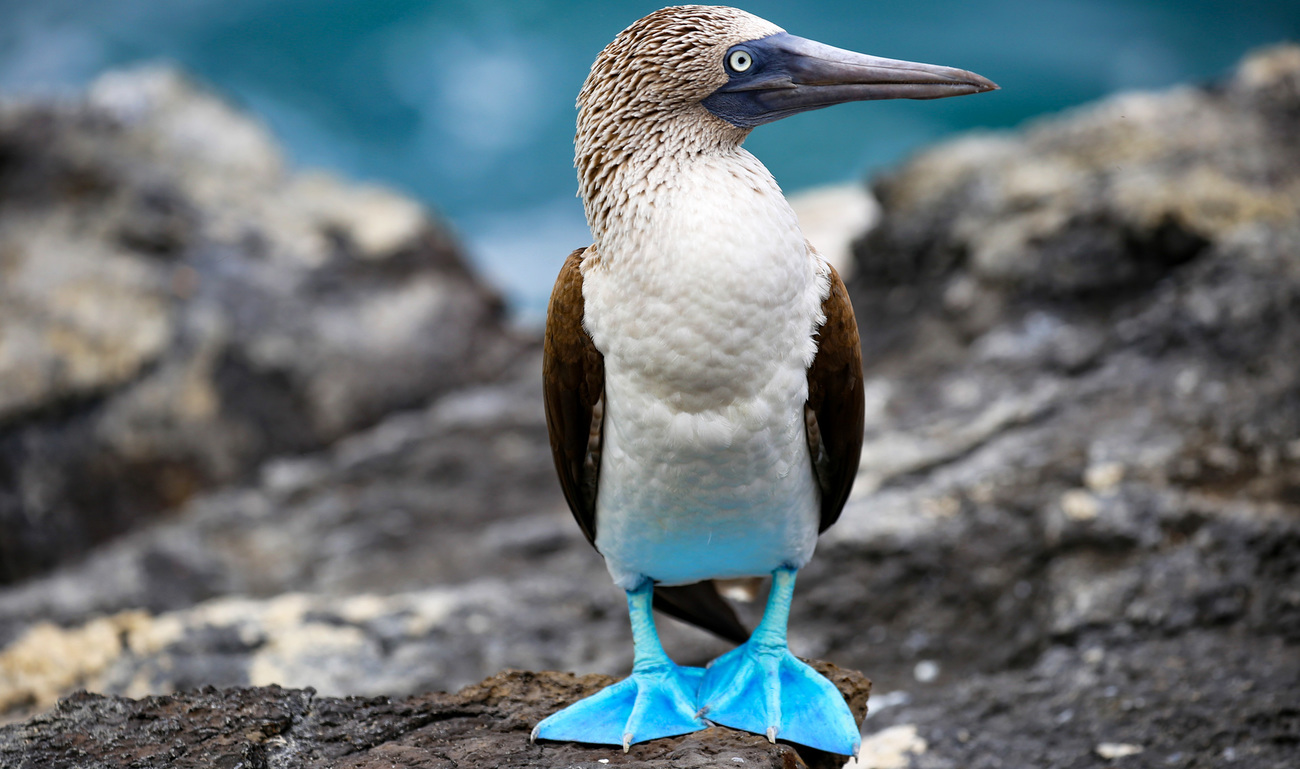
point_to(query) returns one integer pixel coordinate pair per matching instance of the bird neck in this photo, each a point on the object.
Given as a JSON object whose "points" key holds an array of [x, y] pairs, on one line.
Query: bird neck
{"points": [[626, 180]]}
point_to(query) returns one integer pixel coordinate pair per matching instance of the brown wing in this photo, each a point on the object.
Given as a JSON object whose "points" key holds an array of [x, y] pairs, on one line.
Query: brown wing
{"points": [[835, 402], [573, 381]]}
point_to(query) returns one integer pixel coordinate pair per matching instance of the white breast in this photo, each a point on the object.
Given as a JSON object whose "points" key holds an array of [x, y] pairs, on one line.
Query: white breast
{"points": [[704, 301]]}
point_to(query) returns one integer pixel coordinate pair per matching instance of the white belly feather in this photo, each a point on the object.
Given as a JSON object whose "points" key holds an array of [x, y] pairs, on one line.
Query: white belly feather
{"points": [[704, 310]]}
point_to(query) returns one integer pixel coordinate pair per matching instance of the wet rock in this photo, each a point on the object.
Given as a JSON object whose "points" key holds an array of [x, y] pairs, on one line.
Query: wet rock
{"points": [[176, 306], [486, 724]]}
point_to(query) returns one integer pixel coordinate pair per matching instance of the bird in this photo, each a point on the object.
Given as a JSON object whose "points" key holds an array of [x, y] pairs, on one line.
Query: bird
{"points": [[702, 369]]}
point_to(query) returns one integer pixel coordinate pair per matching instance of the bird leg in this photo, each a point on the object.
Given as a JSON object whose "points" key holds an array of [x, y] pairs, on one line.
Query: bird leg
{"points": [[761, 687], [657, 700]]}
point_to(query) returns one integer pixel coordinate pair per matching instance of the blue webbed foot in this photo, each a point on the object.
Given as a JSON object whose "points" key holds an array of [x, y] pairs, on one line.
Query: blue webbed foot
{"points": [[761, 687], [657, 700], [772, 692], [646, 705]]}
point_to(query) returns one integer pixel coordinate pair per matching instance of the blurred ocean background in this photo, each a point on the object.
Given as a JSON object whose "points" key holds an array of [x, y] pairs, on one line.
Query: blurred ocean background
{"points": [[469, 106]]}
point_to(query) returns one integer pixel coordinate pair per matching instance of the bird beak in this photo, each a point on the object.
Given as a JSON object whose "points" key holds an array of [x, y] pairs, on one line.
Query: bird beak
{"points": [[792, 74]]}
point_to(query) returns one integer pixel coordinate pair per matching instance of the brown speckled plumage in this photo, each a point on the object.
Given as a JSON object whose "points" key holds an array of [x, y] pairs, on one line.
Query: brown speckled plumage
{"points": [[643, 97]]}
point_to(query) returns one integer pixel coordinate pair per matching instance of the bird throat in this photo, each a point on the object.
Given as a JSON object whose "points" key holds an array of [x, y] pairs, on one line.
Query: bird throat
{"points": [[619, 164]]}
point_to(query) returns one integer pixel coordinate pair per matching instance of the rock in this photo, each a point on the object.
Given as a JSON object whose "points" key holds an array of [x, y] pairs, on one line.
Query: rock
{"points": [[486, 724], [1085, 336], [416, 500], [890, 748], [363, 644], [1113, 750], [1185, 701], [175, 307]]}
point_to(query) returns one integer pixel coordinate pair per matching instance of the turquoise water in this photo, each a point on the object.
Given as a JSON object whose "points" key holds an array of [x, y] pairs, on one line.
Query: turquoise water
{"points": [[469, 106]]}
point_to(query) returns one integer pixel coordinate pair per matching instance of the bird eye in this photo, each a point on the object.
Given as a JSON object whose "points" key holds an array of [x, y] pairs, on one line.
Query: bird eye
{"points": [[739, 60]]}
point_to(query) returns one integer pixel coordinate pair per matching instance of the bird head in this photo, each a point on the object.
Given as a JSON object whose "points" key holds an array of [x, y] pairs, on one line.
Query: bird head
{"points": [[686, 62], [695, 78]]}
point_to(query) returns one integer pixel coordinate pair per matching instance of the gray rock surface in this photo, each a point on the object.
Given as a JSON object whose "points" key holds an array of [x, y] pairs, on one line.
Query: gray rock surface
{"points": [[176, 306], [1198, 698], [1074, 540]]}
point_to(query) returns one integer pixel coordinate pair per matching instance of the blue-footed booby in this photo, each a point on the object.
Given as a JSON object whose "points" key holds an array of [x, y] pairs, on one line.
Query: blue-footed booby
{"points": [[703, 374]]}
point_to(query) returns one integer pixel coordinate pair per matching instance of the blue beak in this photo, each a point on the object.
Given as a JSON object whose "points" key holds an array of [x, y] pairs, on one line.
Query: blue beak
{"points": [[780, 75]]}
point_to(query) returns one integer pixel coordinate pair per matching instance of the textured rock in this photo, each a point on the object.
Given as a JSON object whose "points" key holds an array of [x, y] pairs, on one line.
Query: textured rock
{"points": [[1197, 699], [486, 724], [416, 500], [176, 307], [1084, 338]]}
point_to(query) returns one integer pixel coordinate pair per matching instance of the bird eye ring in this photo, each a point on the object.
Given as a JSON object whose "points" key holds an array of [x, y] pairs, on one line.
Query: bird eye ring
{"points": [[739, 61]]}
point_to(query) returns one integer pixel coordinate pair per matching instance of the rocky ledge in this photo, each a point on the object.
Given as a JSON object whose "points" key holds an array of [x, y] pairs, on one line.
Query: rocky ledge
{"points": [[487, 724]]}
